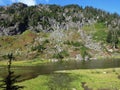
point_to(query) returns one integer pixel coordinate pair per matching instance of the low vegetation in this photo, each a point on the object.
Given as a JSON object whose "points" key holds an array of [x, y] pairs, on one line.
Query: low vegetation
{"points": [[33, 62], [98, 79]]}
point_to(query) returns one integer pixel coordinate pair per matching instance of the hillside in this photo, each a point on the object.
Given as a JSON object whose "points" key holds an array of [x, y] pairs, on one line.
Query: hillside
{"points": [[56, 32]]}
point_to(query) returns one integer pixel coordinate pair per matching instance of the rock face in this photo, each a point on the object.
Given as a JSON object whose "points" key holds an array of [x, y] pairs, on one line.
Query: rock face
{"points": [[12, 30], [17, 18], [8, 23], [89, 42]]}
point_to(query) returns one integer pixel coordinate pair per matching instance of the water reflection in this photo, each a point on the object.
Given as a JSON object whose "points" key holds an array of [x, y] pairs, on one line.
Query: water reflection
{"points": [[28, 72]]}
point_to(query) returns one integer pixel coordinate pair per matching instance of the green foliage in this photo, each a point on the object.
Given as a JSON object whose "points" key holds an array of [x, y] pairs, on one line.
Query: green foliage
{"points": [[76, 44], [39, 48], [1, 9], [98, 31], [100, 26], [55, 8], [83, 51], [46, 41], [61, 54], [4, 57], [74, 6], [27, 32], [67, 42], [75, 19], [112, 38], [10, 10]]}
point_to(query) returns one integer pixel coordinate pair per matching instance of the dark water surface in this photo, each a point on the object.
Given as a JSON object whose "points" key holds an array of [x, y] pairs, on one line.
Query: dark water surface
{"points": [[28, 72]]}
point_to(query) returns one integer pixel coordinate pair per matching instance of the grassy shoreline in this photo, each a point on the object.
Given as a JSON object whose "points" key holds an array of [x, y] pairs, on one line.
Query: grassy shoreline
{"points": [[25, 62], [96, 79], [39, 61]]}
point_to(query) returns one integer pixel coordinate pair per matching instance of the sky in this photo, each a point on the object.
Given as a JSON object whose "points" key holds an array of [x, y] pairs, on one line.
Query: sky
{"points": [[112, 6]]}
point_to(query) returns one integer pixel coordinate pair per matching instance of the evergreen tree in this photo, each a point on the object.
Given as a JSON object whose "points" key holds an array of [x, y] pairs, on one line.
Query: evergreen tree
{"points": [[10, 81]]}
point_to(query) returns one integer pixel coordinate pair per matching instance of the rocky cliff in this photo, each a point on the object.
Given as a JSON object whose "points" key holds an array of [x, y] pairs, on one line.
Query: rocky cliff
{"points": [[18, 17]]}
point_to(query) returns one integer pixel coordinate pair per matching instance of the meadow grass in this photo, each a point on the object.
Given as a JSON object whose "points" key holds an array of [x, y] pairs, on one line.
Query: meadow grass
{"points": [[98, 31], [33, 62], [72, 80]]}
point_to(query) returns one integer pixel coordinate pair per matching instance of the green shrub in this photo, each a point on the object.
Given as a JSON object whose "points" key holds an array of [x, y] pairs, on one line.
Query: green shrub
{"points": [[84, 51], [39, 48], [76, 44], [61, 54], [5, 57], [46, 41]]}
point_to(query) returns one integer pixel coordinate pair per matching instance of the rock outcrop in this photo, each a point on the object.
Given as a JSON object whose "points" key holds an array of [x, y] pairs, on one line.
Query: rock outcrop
{"points": [[17, 18]]}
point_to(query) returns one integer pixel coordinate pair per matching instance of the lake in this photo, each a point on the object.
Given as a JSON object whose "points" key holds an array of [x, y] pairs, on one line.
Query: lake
{"points": [[29, 72]]}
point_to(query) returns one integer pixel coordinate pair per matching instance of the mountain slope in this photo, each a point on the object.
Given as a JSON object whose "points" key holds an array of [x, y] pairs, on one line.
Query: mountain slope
{"points": [[51, 31]]}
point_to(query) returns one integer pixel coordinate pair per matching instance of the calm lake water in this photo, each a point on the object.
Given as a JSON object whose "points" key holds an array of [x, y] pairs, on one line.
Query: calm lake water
{"points": [[28, 72]]}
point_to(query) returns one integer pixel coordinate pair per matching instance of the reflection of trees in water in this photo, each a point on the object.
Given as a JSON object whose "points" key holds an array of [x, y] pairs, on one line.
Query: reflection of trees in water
{"points": [[9, 83]]}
